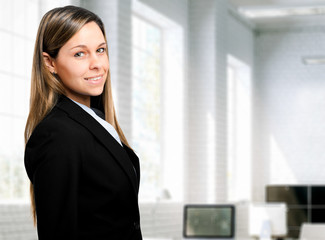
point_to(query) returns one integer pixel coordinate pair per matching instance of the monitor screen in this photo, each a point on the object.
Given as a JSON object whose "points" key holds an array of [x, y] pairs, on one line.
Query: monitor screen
{"points": [[209, 221], [292, 195], [318, 195]]}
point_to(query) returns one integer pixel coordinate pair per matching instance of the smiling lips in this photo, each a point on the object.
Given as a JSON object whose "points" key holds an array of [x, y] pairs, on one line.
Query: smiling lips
{"points": [[94, 79]]}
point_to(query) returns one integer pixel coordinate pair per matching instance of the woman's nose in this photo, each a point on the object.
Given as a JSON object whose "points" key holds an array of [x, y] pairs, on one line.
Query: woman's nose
{"points": [[95, 62]]}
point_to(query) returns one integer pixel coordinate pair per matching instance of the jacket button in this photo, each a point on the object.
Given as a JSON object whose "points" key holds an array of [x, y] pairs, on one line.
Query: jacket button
{"points": [[136, 225]]}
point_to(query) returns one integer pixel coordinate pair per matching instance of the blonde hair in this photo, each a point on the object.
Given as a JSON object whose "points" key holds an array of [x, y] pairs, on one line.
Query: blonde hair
{"points": [[56, 28]]}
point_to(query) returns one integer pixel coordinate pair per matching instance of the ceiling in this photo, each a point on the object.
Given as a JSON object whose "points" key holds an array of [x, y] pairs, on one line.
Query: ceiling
{"points": [[287, 21]]}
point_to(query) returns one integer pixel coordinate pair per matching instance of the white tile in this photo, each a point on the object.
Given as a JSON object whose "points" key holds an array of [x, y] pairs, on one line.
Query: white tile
{"points": [[21, 89], [32, 18], [7, 51], [6, 139], [6, 12], [293, 107], [18, 135], [29, 53], [18, 16], [6, 93], [19, 55]]}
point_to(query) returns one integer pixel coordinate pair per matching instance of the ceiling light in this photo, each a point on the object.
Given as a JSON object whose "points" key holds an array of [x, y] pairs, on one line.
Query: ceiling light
{"points": [[269, 12], [314, 60]]}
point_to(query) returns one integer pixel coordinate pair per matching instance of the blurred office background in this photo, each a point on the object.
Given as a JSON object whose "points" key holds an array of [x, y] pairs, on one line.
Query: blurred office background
{"points": [[219, 98]]}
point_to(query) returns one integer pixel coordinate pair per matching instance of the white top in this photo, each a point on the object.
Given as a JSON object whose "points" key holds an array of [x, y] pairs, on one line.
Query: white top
{"points": [[109, 128]]}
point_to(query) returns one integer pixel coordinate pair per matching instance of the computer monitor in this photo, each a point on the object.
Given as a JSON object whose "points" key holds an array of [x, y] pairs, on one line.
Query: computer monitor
{"points": [[267, 220], [209, 221]]}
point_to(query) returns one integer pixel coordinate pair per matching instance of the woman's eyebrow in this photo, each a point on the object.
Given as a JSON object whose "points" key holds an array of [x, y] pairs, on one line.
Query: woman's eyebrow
{"points": [[79, 46], [103, 43], [84, 46]]}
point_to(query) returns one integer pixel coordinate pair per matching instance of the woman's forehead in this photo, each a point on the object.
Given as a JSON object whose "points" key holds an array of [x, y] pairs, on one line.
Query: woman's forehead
{"points": [[90, 35]]}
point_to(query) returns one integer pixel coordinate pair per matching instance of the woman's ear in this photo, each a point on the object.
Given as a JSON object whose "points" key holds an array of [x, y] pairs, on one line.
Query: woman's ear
{"points": [[49, 62]]}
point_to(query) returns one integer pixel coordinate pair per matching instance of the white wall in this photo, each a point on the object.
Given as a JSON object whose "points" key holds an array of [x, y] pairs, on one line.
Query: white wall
{"points": [[16, 222], [174, 10], [206, 148], [290, 109], [240, 44], [240, 39]]}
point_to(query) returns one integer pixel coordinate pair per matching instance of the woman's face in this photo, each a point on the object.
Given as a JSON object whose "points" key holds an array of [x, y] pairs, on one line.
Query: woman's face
{"points": [[82, 64]]}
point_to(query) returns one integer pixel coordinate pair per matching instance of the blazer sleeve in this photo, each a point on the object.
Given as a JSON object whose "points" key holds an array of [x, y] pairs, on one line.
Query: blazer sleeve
{"points": [[52, 158]]}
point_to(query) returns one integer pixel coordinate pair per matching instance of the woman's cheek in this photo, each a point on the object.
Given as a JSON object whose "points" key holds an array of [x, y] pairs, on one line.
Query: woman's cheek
{"points": [[80, 69]]}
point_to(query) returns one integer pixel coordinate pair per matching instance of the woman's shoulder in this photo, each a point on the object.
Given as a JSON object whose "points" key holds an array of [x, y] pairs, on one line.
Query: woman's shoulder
{"points": [[54, 140], [58, 125]]}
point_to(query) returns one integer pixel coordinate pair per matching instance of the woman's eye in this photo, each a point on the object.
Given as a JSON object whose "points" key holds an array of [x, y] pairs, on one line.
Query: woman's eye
{"points": [[79, 54], [101, 50]]}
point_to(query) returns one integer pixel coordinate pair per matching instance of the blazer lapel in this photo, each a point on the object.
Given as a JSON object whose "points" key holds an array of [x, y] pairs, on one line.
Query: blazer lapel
{"points": [[135, 161], [120, 154]]}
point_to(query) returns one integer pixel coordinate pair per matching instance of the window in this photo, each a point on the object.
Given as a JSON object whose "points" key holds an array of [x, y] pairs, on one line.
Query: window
{"points": [[239, 130], [158, 103], [19, 21], [18, 28], [146, 104]]}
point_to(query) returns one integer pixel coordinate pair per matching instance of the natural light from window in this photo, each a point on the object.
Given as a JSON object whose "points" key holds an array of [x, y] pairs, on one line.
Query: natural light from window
{"points": [[146, 106], [239, 130]]}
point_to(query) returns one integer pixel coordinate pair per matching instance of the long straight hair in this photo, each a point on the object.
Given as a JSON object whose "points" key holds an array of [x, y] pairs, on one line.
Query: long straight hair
{"points": [[56, 28]]}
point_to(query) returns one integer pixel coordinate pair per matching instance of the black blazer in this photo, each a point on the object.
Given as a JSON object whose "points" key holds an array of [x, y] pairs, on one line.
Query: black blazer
{"points": [[85, 183]]}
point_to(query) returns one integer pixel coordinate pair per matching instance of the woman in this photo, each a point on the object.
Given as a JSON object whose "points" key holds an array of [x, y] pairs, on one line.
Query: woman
{"points": [[84, 175]]}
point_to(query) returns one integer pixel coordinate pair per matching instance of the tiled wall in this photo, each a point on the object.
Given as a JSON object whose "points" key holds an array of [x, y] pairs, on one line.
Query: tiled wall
{"points": [[240, 39], [16, 222], [289, 102], [206, 102], [162, 220], [240, 44]]}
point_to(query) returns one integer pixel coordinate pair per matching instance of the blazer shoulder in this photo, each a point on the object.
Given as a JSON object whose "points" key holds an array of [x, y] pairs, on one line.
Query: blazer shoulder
{"points": [[59, 128], [56, 137]]}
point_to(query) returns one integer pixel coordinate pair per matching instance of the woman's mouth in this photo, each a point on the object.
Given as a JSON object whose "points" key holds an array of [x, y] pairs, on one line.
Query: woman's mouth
{"points": [[94, 78]]}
